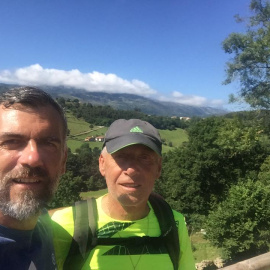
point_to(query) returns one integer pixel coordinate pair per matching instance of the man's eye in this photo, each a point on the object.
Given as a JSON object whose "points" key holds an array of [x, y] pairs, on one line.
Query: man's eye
{"points": [[12, 144], [49, 143], [120, 157], [145, 157]]}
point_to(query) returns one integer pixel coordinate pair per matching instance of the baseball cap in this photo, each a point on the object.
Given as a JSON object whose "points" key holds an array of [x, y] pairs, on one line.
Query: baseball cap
{"points": [[123, 133]]}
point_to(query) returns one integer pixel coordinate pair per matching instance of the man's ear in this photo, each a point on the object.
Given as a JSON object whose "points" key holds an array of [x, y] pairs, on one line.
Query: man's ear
{"points": [[159, 167], [101, 162], [64, 161]]}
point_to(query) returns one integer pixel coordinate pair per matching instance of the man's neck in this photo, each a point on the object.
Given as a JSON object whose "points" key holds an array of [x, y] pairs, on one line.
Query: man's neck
{"points": [[117, 211], [12, 223]]}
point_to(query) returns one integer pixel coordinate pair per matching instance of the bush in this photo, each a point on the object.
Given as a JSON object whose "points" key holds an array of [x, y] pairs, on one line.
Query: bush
{"points": [[240, 224]]}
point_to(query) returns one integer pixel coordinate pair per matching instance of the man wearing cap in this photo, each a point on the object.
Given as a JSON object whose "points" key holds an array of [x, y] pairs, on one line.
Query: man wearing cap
{"points": [[130, 162]]}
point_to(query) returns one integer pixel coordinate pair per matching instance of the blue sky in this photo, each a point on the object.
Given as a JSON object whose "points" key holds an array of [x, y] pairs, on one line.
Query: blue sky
{"points": [[164, 49]]}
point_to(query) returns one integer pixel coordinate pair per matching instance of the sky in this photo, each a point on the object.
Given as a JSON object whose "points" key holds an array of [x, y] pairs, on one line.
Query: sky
{"points": [[170, 50]]}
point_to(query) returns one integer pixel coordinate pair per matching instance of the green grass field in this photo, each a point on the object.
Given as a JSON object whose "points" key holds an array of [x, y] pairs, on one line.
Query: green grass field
{"points": [[76, 125], [203, 250], [79, 130], [175, 137]]}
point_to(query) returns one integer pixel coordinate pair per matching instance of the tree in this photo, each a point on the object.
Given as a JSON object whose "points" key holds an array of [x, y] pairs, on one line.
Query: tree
{"points": [[68, 191], [244, 145], [61, 101], [194, 174], [251, 61], [264, 174], [220, 153], [240, 224], [88, 168]]}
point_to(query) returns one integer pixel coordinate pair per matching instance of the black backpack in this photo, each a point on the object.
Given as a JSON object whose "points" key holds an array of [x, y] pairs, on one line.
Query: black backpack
{"points": [[85, 238]]}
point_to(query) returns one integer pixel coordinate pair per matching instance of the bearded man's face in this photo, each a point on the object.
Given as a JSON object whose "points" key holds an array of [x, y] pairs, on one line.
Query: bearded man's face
{"points": [[32, 158]]}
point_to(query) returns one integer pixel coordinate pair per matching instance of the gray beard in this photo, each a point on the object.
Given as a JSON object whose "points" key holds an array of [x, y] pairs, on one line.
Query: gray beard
{"points": [[27, 204], [26, 207]]}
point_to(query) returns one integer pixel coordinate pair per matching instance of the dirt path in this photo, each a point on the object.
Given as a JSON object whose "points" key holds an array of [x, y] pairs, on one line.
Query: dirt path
{"points": [[85, 132]]}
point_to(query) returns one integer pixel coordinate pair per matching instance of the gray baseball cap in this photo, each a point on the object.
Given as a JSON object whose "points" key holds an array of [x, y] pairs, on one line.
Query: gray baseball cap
{"points": [[123, 133]]}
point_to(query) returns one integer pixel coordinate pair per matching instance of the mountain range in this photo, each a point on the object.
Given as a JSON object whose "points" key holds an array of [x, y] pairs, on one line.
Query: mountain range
{"points": [[128, 102]]}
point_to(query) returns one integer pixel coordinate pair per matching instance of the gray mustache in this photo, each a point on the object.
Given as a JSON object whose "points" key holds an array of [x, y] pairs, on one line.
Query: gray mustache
{"points": [[28, 172]]}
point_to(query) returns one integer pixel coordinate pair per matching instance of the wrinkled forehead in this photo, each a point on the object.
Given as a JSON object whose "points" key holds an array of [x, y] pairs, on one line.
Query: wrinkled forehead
{"points": [[19, 107], [137, 148]]}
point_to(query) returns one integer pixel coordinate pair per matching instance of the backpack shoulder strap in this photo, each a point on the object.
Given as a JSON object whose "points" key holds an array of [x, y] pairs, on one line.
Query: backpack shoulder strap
{"points": [[167, 225], [84, 238]]}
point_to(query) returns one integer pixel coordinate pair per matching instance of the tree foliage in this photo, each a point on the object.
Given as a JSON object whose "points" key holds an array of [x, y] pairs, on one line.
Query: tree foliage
{"points": [[251, 56], [85, 160], [68, 191], [264, 174], [220, 153], [82, 174], [240, 224]]}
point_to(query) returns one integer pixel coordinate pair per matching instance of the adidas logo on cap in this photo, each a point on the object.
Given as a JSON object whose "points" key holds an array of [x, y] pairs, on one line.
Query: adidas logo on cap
{"points": [[136, 129]]}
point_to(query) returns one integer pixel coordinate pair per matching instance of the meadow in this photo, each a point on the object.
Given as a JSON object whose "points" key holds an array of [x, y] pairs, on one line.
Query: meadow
{"points": [[79, 130]]}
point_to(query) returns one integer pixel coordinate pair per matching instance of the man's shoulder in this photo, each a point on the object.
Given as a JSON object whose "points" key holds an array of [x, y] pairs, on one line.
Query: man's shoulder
{"points": [[63, 216], [179, 219], [59, 211], [158, 202], [178, 215]]}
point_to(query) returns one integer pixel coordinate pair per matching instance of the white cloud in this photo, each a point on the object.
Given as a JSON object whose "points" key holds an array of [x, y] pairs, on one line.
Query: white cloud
{"points": [[192, 100], [95, 81]]}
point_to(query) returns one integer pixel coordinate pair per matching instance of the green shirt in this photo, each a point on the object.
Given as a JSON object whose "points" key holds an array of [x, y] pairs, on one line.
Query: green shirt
{"points": [[127, 256]]}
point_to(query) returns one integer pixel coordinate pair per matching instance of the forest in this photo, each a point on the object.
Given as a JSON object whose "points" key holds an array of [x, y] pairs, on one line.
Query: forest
{"points": [[220, 178]]}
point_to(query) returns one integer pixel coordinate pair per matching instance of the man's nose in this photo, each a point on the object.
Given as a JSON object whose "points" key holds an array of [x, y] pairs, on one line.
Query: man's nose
{"points": [[131, 166], [30, 155]]}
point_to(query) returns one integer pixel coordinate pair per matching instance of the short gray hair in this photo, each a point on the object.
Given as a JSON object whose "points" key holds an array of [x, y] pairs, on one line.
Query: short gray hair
{"points": [[32, 97]]}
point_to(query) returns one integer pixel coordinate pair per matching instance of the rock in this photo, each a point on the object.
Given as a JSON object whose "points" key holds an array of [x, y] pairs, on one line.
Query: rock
{"points": [[206, 265], [219, 263]]}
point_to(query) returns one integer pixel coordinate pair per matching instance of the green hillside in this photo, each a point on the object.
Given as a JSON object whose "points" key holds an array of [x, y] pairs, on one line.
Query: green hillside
{"points": [[79, 130], [175, 138]]}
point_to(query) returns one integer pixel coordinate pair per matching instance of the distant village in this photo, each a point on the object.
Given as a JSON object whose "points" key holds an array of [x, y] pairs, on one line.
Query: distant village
{"points": [[94, 139], [181, 118]]}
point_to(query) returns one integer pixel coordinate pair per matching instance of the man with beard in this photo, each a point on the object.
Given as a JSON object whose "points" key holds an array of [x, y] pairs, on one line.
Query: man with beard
{"points": [[33, 155]]}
